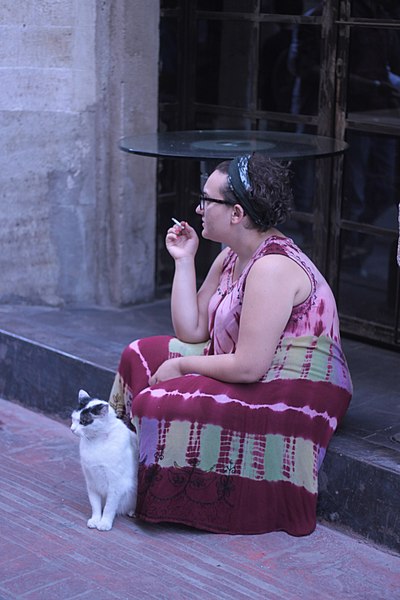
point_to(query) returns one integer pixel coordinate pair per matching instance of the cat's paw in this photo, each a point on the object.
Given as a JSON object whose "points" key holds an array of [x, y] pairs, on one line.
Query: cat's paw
{"points": [[92, 523], [131, 514], [104, 525]]}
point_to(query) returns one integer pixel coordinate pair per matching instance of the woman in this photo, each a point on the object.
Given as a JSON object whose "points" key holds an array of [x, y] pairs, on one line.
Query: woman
{"points": [[234, 415]]}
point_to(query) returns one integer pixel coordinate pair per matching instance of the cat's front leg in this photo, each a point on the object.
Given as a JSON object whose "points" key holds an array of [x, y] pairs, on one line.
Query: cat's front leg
{"points": [[109, 512], [95, 503]]}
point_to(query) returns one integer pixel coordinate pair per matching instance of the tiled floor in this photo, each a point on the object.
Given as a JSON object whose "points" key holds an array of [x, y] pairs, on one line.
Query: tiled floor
{"points": [[48, 553]]}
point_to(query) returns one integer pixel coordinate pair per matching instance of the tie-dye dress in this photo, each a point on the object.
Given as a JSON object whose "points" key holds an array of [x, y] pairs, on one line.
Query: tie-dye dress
{"points": [[239, 458]]}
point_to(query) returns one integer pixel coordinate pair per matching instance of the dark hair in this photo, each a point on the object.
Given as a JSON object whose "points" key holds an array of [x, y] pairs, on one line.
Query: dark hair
{"points": [[271, 193]]}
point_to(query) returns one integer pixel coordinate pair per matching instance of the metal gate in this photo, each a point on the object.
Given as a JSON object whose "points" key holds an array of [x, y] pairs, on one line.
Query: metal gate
{"points": [[330, 68]]}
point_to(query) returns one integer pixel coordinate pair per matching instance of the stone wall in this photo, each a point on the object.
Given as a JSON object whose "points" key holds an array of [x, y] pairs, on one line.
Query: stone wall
{"points": [[77, 215]]}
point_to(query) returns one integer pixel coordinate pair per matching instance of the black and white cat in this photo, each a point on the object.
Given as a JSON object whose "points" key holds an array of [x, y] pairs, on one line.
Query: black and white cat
{"points": [[109, 460]]}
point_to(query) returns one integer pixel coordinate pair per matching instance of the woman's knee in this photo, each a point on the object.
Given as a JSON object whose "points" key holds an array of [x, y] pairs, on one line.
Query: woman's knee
{"points": [[148, 353]]}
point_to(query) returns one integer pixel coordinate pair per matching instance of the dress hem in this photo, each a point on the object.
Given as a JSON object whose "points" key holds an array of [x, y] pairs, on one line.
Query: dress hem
{"points": [[209, 529]]}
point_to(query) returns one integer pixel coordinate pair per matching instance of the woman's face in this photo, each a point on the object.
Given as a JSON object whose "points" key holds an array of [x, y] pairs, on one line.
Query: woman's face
{"points": [[215, 215]]}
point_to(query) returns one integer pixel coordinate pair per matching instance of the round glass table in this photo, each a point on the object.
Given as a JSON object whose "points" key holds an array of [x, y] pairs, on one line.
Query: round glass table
{"points": [[226, 144]]}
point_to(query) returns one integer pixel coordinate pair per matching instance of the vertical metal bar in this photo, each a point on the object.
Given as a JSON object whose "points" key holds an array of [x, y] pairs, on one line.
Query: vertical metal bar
{"points": [[186, 118], [187, 52], [255, 62], [339, 132], [323, 171], [326, 116], [397, 310], [342, 34]]}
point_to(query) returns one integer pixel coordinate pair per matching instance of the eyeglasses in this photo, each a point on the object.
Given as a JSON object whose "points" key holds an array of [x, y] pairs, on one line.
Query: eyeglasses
{"points": [[203, 199]]}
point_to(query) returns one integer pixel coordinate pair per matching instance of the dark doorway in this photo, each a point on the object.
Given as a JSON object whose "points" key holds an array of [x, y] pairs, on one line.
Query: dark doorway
{"points": [[297, 66]]}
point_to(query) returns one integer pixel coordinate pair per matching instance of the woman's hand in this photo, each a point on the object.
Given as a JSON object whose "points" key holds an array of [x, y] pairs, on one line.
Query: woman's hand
{"points": [[182, 243], [168, 370]]}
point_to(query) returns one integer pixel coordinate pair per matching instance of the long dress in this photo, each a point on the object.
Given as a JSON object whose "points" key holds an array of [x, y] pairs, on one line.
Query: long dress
{"points": [[232, 457]]}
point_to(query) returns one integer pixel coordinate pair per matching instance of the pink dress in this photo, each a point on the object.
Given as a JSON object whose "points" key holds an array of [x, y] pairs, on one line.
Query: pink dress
{"points": [[239, 458]]}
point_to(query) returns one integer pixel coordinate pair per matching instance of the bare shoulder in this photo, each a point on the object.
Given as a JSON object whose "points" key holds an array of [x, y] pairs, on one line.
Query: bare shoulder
{"points": [[275, 264], [279, 274], [223, 255]]}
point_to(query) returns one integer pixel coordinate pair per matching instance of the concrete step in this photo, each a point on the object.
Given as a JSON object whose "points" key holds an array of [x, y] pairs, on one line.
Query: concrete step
{"points": [[47, 355]]}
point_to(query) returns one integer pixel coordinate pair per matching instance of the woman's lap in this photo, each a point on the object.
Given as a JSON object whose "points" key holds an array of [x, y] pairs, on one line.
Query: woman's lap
{"points": [[209, 449]]}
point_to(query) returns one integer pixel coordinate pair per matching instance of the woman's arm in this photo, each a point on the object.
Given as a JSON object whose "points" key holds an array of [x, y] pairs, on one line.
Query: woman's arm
{"points": [[273, 286], [189, 307]]}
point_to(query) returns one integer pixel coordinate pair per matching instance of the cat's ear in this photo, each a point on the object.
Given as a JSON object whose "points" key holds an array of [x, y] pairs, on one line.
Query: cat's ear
{"points": [[83, 398]]}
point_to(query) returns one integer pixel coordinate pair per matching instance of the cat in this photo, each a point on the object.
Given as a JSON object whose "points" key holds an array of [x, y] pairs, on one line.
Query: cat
{"points": [[109, 460]]}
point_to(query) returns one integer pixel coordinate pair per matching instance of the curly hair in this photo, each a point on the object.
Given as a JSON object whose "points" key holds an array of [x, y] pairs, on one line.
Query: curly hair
{"points": [[271, 193]]}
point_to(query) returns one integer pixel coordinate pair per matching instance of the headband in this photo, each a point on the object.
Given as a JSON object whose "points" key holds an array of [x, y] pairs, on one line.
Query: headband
{"points": [[239, 183]]}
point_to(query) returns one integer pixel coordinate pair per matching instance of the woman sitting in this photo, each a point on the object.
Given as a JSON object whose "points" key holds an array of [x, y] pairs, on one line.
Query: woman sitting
{"points": [[235, 413]]}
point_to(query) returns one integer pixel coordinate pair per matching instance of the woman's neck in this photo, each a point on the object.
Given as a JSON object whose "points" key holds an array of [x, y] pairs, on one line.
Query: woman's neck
{"points": [[245, 246]]}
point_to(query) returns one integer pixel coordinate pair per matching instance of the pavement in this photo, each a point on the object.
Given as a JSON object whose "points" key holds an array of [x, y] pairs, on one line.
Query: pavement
{"points": [[47, 354], [48, 553]]}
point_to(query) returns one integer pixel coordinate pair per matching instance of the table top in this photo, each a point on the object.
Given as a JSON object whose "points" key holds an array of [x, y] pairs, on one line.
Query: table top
{"points": [[226, 144]]}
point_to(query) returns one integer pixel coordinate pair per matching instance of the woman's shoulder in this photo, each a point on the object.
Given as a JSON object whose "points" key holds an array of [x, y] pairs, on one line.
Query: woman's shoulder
{"points": [[226, 257], [221, 264], [221, 258], [276, 264], [278, 244], [280, 257], [285, 246]]}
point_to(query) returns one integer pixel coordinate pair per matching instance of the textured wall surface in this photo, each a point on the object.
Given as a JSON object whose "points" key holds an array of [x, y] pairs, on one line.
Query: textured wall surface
{"points": [[76, 214]]}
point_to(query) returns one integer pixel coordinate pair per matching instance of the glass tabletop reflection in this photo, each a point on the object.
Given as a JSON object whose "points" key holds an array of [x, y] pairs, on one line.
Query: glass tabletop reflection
{"points": [[226, 144]]}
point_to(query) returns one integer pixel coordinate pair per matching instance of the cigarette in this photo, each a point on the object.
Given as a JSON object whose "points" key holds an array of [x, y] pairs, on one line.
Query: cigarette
{"points": [[177, 223]]}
